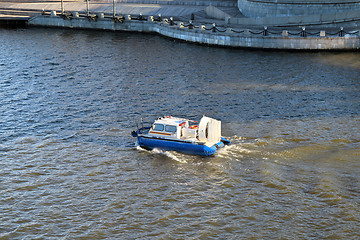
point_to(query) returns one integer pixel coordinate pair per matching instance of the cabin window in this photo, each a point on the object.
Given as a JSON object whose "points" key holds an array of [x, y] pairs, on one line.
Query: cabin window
{"points": [[158, 127], [170, 128]]}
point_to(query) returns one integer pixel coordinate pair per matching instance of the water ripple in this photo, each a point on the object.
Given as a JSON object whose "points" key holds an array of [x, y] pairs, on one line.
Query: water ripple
{"points": [[70, 169]]}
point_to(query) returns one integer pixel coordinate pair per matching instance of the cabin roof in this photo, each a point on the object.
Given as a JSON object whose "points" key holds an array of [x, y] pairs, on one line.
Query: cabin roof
{"points": [[171, 120]]}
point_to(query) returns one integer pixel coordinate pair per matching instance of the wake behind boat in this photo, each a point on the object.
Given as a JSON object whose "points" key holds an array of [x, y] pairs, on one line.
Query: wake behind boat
{"points": [[182, 135]]}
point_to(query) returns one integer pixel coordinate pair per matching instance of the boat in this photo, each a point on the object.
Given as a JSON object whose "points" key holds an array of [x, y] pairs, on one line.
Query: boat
{"points": [[182, 135]]}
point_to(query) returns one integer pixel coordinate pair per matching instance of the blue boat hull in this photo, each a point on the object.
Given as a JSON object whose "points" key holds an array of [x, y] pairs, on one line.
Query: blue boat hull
{"points": [[179, 146]]}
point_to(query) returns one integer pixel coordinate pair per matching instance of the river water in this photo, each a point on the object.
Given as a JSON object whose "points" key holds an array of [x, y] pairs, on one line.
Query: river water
{"points": [[69, 168]]}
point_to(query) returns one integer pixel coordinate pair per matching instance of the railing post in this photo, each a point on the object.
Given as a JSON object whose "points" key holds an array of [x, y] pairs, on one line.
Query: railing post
{"points": [[87, 7], [265, 32], [191, 26], [114, 9], [62, 7], [342, 32], [303, 32], [172, 21]]}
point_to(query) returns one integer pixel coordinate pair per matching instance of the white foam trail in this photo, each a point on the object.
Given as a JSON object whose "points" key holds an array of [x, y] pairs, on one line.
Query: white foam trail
{"points": [[168, 154], [237, 149], [174, 157], [141, 149], [236, 138]]}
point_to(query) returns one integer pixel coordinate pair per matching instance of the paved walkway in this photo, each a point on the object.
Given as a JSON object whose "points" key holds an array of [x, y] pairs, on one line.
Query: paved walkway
{"points": [[179, 9]]}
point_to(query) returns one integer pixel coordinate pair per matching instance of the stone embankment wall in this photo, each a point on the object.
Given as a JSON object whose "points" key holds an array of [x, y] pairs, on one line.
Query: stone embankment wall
{"points": [[206, 35], [340, 19], [266, 8], [217, 3]]}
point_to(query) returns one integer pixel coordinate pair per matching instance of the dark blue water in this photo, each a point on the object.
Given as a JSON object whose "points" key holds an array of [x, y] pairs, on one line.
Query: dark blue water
{"points": [[70, 169]]}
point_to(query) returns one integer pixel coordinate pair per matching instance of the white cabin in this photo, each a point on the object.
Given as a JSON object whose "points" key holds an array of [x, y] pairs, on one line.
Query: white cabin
{"points": [[208, 131]]}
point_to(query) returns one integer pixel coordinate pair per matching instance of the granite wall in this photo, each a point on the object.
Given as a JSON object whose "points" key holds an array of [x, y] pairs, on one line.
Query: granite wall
{"points": [[266, 8]]}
